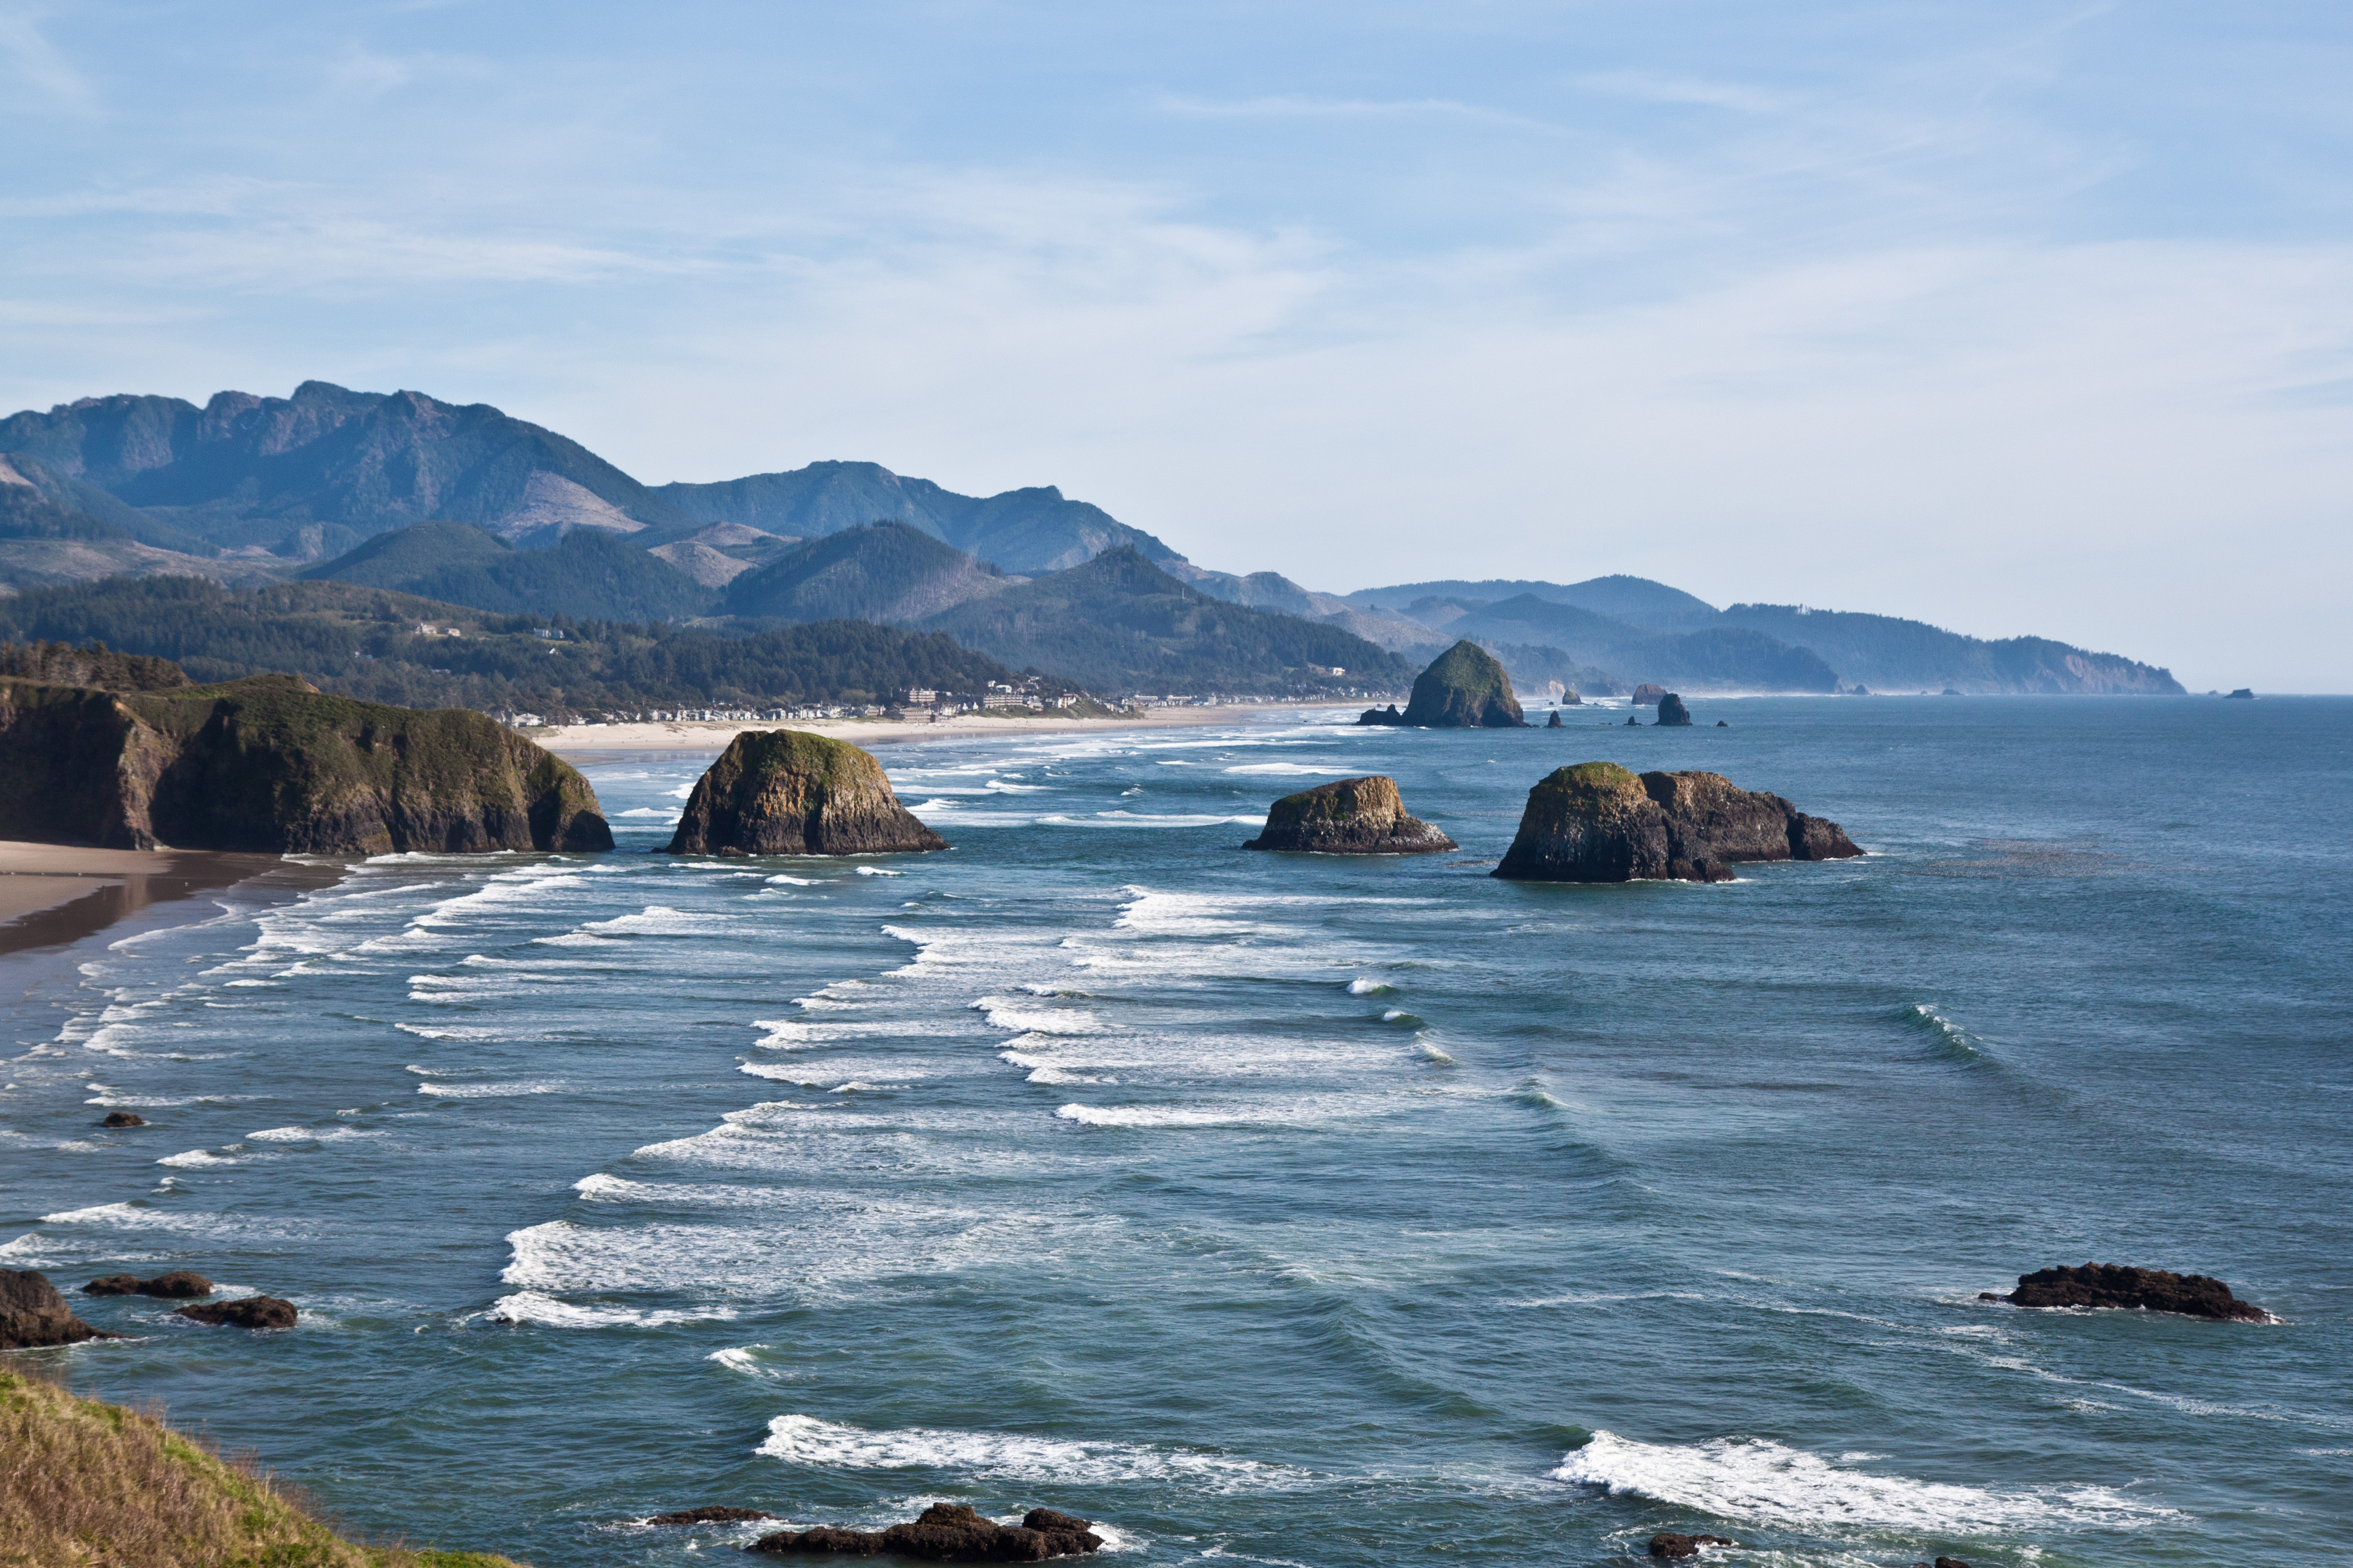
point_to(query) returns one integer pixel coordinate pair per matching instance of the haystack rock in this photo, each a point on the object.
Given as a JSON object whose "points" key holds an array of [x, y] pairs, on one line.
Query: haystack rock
{"points": [[32, 1314], [249, 1312], [1352, 816], [787, 791], [1464, 688], [1672, 713], [948, 1533], [272, 763], [1597, 822], [2146, 1290]]}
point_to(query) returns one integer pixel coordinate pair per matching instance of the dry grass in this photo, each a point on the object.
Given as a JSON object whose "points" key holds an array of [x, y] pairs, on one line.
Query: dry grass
{"points": [[87, 1485]]}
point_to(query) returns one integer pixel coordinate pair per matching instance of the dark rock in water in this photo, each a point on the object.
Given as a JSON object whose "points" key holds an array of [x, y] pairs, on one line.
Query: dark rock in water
{"points": [[948, 1533], [122, 1119], [786, 792], [33, 1315], [1631, 721], [1950, 1563], [1667, 1543], [272, 763], [1464, 688], [1597, 822], [1647, 695], [716, 1514], [180, 1285], [1671, 712], [1388, 715], [1350, 816], [2147, 1289], [1553, 722], [1721, 725], [252, 1312], [2244, 694]]}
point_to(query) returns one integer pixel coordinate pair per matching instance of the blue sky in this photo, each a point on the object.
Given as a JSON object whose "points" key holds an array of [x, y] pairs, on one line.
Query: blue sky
{"points": [[2011, 317]]}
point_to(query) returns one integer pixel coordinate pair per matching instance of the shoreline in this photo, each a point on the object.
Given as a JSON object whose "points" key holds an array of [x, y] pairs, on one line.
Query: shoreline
{"points": [[574, 742], [53, 895]]}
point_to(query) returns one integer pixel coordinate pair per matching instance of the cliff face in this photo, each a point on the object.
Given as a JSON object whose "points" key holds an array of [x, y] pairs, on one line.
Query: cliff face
{"points": [[1597, 822], [271, 764], [1464, 688], [1352, 816], [786, 792]]}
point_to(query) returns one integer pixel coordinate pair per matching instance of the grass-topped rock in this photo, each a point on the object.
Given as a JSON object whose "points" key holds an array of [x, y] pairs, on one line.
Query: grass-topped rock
{"points": [[272, 764], [1350, 816], [787, 791], [1464, 688], [1597, 822]]}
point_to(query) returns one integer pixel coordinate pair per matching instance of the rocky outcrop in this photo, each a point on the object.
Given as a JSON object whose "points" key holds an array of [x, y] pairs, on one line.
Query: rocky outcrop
{"points": [[787, 791], [1667, 1543], [1464, 688], [33, 1315], [715, 1513], [1672, 713], [1351, 816], [1554, 722], [948, 1533], [1597, 822], [272, 764], [1648, 694], [180, 1285], [1388, 715], [2144, 1290], [119, 1119], [250, 1312]]}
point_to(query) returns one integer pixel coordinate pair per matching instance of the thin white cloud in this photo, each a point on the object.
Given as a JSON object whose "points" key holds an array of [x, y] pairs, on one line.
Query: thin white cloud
{"points": [[34, 61], [1288, 107]]}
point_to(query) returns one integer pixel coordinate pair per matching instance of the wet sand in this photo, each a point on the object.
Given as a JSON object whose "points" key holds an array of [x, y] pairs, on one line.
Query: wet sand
{"points": [[52, 894]]}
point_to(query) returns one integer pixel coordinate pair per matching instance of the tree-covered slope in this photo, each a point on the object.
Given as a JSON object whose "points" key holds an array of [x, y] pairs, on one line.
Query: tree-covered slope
{"points": [[590, 575], [878, 572], [1118, 624], [1887, 654]]}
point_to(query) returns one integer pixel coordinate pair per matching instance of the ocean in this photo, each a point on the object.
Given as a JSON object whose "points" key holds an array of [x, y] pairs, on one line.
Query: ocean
{"points": [[1270, 1209]]}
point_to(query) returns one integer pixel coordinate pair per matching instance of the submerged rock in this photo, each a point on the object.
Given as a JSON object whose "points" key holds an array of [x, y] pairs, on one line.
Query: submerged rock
{"points": [[1667, 1543], [787, 791], [1671, 712], [1388, 715], [122, 1119], [33, 1315], [1597, 822], [249, 1312], [272, 763], [1350, 816], [180, 1285], [947, 1532], [1464, 688], [715, 1513], [2146, 1290]]}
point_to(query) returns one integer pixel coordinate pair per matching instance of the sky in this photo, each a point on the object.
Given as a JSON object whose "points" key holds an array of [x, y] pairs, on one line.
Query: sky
{"points": [[2012, 317]]}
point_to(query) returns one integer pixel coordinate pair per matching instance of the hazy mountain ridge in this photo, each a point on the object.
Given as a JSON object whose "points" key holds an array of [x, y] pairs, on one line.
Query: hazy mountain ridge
{"points": [[878, 572]]}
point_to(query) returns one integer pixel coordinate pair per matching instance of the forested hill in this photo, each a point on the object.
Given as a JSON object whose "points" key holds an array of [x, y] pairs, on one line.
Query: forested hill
{"points": [[591, 574], [367, 642]]}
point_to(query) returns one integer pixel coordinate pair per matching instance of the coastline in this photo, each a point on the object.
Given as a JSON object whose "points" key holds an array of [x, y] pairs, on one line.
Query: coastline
{"points": [[52, 895], [574, 742]]}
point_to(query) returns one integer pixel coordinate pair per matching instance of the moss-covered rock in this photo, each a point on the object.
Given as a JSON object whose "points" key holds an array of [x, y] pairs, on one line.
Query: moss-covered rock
{"points": [[1464, 688], [1350, 816], [1597, 822], [272, 764], [787, 791]]}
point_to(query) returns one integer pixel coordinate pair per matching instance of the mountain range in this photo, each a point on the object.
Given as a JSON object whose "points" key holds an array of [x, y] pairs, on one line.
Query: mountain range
{"points": [[464, 505]]}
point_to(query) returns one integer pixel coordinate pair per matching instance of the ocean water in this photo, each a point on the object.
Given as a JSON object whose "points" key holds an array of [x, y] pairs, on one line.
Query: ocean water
{"points": [[1288, 1210]]}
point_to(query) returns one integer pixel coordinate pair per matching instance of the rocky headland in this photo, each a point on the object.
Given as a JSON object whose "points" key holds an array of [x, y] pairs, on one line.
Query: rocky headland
{"points": [[787, 791], [270, 764], [947, 1532], [1597, 822], [2143, 1289], [1349, 816], [1464, 688]]}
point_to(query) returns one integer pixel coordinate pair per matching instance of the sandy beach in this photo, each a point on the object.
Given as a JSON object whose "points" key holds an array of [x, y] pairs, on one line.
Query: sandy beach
{"points": [[579, 740], [52, 893]]}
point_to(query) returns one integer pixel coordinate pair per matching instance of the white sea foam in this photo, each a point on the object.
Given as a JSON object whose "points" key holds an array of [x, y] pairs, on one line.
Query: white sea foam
{"points": [[192, 1159], [739, 1358], [659, 920], [1027, 1019], [808, 1441], [1294, 768], [1364, 985], [532, 1307], [781, 881], [1143, 1116], [878, 871], [312, 1134], [1756, 1479], [486, 1090]]}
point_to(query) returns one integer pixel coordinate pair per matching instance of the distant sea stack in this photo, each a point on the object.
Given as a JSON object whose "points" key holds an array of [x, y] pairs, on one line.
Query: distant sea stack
{"points": [[272, 764], [2144, 1290], [1671, 712], [1464, 688], [787, 791], [1647, 695], [1597, 822], [1352, 816]]}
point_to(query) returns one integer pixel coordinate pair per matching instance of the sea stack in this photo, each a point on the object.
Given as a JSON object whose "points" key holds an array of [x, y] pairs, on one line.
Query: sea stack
{"points": [[2144, 1290], [1597, 822], [1388, 715], [1464, 688], [1672, 713], [1647, 695], [273, 764], [787, 791], [1352, 816], [33, 1315]]}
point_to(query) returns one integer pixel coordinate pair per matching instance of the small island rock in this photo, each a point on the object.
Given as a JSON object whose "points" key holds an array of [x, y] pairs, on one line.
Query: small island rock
{"points": [[1554, 722], [787, 791], [1667, 1543], [33, 1315], [1672, 713], [122, 1119], [1647, 695], [1464, 688], [1597, 822], [947, 1532], [1388, 715], [250, 1312], [1349, 816], [2147, 1289]]}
